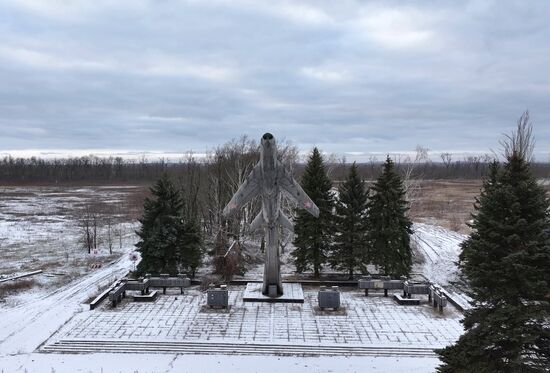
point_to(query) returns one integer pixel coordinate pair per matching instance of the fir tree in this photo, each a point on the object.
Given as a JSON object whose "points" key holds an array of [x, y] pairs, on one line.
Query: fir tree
{"points": [[388, 228], [506, 260], [313, 236], [349, 250], [169, 243]]}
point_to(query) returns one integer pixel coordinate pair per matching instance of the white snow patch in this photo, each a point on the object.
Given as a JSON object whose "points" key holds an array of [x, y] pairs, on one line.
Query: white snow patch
{"points": [[149, 363], [440, 248], [25, 327]]}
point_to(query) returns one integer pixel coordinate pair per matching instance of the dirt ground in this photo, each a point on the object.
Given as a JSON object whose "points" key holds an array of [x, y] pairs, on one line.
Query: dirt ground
{"points": [[448, 203]]}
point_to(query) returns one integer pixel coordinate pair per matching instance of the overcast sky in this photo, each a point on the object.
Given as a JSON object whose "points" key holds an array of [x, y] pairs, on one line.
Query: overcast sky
{"points": [[352, 77]]}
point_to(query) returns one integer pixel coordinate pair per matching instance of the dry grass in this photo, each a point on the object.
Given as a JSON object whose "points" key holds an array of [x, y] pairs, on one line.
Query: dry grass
{"points": [[15, 286], [448, 203], [46, 266], [134, 202]]}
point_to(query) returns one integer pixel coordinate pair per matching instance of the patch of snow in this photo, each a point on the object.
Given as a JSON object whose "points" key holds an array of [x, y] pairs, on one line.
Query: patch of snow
{"points": [[154, 363], [440, 248], [25, 327]]}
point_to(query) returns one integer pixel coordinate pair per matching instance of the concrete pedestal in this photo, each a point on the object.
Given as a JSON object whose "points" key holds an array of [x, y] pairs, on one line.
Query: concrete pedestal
{"points": [[292, 293]]}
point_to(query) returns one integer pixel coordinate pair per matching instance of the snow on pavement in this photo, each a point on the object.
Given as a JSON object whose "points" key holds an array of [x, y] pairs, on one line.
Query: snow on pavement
{"points": [[24, 327], [157, 363]]}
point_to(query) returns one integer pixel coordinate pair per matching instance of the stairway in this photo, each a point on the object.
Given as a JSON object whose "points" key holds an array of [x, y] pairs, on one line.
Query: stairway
{"points": [[225, 348]]}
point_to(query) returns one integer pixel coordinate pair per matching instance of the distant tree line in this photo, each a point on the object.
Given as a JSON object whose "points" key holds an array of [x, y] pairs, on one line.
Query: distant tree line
{"points": [[101, 170]]}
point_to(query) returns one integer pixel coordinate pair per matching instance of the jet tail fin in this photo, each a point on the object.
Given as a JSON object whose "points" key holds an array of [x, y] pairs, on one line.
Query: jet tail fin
{"points": [[295, 192], [284, 222], [257, 223]]}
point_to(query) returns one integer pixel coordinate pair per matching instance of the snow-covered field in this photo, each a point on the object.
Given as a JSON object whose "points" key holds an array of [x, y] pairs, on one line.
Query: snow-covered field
{"points": [[24, 327], [37, 227], [40, 230]]}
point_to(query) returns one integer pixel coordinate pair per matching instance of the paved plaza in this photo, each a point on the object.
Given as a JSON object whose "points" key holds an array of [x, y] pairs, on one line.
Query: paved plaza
{"points": [[367, 321]]}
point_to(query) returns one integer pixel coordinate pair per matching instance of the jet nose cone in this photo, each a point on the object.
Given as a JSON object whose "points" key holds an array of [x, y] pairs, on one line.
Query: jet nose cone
{"points": [[267, 136]]}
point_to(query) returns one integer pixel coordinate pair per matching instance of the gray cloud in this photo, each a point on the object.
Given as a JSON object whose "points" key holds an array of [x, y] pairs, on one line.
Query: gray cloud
{"points": [[347, 76]]}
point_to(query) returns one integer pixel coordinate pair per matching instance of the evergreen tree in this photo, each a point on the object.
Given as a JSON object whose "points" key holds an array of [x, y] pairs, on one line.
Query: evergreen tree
{"points": [[313, 236], [169, 243], [349, 250], [506, 260], [388, 228]]}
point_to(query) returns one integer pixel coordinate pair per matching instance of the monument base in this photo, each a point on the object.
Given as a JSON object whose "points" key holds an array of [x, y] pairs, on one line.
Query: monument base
{"points": [[292, 293]]}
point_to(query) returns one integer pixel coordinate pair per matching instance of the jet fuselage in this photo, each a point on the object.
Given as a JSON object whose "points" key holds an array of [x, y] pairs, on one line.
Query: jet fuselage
{"points": [[268, 179], [271, 193]]}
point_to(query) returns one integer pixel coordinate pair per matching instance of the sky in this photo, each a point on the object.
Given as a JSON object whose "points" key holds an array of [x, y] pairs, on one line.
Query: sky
{"points": [[354, 78]]}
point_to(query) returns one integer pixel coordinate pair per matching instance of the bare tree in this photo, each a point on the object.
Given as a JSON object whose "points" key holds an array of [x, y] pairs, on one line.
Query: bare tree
{"points": [[190, 183], [521, 141], [411, 178], [373, 164], [227, 168], [109, 234], [447, 159], [228, 263], [87, 222]]}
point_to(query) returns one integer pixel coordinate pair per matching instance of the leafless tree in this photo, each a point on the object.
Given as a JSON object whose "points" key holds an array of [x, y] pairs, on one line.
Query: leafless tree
{"points": [[88, 224], [228, 263], [373, 164], [191, 182], [226, 169], [109, 230], [521, 141], [412, 178], [447, 159]]}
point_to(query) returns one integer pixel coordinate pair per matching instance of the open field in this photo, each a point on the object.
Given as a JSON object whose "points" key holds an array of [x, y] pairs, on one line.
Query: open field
{"points": [[41, 228], [448, 203]]}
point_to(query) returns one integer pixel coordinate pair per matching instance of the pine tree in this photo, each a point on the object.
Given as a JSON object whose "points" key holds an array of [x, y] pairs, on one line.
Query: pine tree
{"points": [[169, 243], [189, 253], [313, 236], [388, 228], [507, 263], [349, 250]]}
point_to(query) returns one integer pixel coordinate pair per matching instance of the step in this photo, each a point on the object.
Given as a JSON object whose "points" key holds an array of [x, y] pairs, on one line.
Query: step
{"points": [[87, 346]]}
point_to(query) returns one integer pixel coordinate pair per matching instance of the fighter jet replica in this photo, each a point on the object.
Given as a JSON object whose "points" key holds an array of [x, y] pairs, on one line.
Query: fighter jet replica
{"points": [[269, 179]]}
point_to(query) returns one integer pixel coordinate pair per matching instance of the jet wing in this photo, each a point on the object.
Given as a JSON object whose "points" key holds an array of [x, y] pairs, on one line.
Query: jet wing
{"points": [[295, 191], [248, 190]]}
